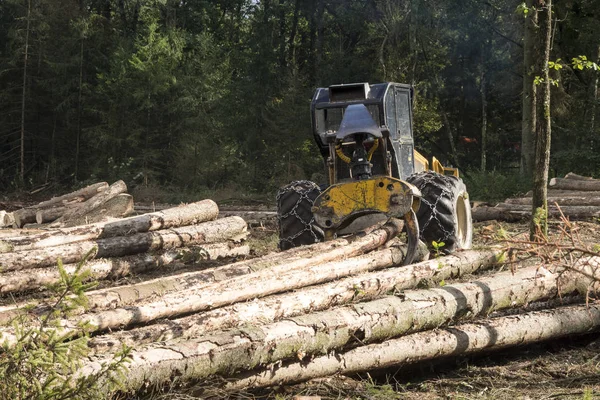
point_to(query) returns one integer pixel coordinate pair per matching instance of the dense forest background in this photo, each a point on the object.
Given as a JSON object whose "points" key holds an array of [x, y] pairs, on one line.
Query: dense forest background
{"points": [[210, 94]]}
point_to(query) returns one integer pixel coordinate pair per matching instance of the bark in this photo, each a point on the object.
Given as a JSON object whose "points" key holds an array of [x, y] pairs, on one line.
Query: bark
{"points": [[118, 207], [539, 208], [567, 193], [573, 184], [92, 203], [493, 334], [23, 98], [484, 213], [28, 215], [188, 214], [202, 296], [306, 336], [483, 111], [574, 176], [273, 265], [580, 211], [562, 201], [51, 214], [317, 298], [114, 268], [207, 232], [528, 124]]}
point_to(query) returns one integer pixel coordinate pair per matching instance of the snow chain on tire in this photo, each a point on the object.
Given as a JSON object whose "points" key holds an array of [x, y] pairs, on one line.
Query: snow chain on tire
{"points": [[445, 211], [295, 216]]}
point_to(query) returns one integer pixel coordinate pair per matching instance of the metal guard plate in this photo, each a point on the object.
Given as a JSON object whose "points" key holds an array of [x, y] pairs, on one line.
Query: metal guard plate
{"points": [[341, 203]]}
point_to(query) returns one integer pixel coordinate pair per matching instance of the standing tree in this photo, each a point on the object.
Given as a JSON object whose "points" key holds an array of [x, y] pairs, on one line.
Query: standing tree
{"points": [[539, 220]]}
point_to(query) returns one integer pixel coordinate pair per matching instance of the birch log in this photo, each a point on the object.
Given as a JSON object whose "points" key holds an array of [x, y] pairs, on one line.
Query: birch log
{"points": [[207, 232], [114, 268], [306, 336], [491, 334], [187, 214], [316, 298]]}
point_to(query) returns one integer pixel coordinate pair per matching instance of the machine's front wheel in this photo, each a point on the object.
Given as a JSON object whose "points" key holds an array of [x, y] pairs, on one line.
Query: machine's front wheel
{"points": [[295, 216], [445, 211]]}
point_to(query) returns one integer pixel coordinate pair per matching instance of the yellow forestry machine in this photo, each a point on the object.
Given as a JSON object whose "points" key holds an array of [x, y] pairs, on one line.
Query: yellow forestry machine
{"points": [[365, 135]]}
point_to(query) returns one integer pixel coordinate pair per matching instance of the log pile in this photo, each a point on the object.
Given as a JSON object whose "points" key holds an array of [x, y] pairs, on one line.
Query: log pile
{"points": [[575, 196], [342, 306]]}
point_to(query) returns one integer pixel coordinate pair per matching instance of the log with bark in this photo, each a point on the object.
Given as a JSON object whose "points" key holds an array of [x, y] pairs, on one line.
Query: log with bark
{"points": [[187, 214], [363, 287], [28, 215], [572, 175], [117, 207], [517, 212], [300, 258], [114, 268], [306, 336], [70, 217], [487, 335], [206, 232], [575, 184], [574, 200]]}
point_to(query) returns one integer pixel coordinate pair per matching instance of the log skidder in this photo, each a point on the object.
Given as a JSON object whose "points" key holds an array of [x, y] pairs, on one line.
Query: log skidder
{"points": [[364, 133]]}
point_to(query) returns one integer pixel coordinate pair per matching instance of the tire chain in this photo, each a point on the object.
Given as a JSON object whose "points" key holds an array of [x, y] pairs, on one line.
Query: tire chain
{"points": [[302, 189], [443, 184]]}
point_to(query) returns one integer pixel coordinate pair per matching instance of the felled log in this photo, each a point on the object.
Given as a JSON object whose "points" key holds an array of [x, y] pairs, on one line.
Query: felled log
{"points": [[117, 207], [574, 184], [306, 336], [574, 176], [207, 232], [187, 214], [567, 193], [27, 215], [260, 284], [516, 212], [485, 213], [316, 298], [487, 335], [91, 204], [113, 268], [574, 200]]}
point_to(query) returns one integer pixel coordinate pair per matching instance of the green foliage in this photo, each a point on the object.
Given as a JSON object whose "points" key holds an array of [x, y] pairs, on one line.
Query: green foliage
{"points": [[495, 186], [437, 248], [42, 363]]}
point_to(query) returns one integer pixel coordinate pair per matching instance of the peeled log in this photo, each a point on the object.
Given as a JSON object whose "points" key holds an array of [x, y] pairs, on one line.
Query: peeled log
{"points": [[315, 298], [188, 214], [573, 184], [92, 203], [114, 268], [490, 334], [207, 232], [306, 336]]}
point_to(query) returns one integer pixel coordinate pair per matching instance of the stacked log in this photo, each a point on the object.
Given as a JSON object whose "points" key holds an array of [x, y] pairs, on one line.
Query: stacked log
{"points": [[574, 196], [89, 204]]}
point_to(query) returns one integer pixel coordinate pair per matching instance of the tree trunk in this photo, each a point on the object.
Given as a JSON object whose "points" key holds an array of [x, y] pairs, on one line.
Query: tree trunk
{"points": [[529, 121], [573, 184], [314, 334], [187, 214], [562, 201], [90, 204], [483, 118], [273, 308], [114, 268], [492, 334], [206, 232], [539, 210], [23, 97], [574, 176], [301, 258], [118, 207]]}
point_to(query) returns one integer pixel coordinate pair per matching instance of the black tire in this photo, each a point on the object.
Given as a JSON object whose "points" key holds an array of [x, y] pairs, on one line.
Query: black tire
{"points": [[445, 211], [294, 214]]}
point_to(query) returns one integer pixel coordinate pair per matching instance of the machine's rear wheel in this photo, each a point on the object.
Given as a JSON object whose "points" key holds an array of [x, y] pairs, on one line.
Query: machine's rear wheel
{"points": [[445, 211], [294, 214]]}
